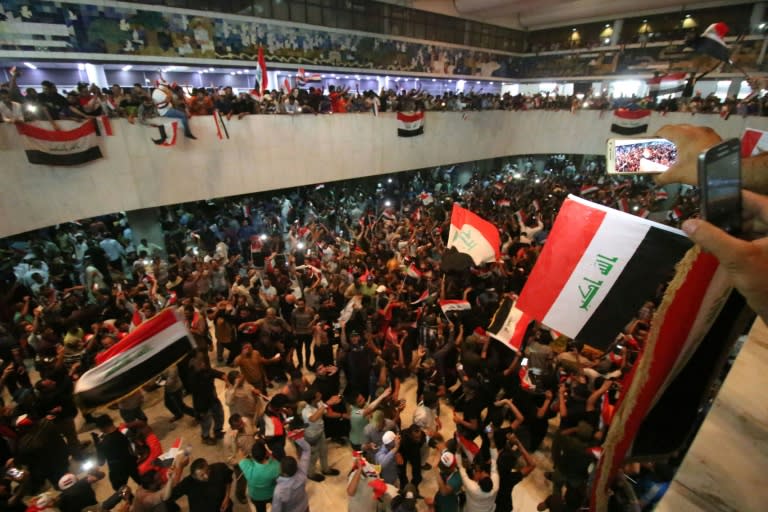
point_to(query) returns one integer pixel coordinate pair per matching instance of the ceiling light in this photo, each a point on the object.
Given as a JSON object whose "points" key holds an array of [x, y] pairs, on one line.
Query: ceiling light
{"points": [[30, 65], [127, 67], [232, 73], [239, 72], [210, 69]]}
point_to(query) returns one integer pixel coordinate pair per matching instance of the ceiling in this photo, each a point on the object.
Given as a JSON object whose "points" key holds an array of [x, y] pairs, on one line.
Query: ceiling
{"points": [[539, 14]]}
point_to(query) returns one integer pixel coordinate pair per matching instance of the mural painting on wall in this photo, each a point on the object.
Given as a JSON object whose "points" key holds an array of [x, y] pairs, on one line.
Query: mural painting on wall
{"points": [[589, 63], [678, 57], [115, 29]]}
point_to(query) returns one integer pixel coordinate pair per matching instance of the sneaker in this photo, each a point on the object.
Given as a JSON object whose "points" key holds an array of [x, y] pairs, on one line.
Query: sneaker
{"points": [[331, 472], [209, 441], [317, 477], [219, 435], [176, 418]]}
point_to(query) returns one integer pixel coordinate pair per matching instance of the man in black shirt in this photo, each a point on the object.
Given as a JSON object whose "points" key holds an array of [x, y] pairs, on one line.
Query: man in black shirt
{"points": [[507, 463], [78, 494], [115, 449], [204, 400], [207, 487], [50, 98]]}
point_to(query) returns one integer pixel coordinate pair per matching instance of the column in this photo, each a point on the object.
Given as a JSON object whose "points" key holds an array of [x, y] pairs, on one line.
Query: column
{"points": [[616, 36], [145, 223], [96, 75]]}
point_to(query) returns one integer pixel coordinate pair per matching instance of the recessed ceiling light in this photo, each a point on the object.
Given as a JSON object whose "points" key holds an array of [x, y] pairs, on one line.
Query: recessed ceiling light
{"points": [[30, 65]]}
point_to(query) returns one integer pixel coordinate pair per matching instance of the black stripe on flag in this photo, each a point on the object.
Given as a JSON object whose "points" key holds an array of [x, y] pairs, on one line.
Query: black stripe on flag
{"points": [[410, 133], [83, 157], [629, 130], [650, 265], [500, 317], [125, 383]]}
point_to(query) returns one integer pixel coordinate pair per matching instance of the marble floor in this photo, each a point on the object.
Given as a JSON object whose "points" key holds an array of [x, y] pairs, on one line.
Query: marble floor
{"points": [[332, 492], [725, 469]]}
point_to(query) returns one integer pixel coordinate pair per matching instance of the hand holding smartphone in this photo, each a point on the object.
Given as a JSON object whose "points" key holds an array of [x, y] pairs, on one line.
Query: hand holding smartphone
{"points": [[720, 183]]}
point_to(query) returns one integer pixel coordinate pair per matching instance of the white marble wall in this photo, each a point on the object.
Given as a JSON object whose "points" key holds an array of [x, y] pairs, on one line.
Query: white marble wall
{"points": [[272, 152], [726, 468]]}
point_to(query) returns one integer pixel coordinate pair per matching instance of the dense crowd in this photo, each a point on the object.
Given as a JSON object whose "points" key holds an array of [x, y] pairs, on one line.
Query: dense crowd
{"points": [[142, 103], [314, 307], [629, 157]]}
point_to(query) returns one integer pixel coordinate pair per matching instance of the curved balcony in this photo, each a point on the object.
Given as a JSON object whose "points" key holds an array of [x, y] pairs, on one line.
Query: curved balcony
{"points": [[274, 152]]}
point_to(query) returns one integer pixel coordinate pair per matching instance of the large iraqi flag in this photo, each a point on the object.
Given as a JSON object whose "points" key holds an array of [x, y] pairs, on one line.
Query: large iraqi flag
{"points": [[410, 124], [141, 356], [72, 144], [472, 235], [598, 267], [630, 122]]}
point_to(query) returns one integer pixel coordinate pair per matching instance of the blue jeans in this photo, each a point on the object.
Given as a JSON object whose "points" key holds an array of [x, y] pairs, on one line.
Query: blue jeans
{"points": [[181, 116], [215, 416]]}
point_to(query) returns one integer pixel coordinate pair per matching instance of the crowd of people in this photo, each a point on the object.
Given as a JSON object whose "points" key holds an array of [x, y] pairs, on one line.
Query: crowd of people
{"points": [[141, 104], [313, 307], [629, 157]]}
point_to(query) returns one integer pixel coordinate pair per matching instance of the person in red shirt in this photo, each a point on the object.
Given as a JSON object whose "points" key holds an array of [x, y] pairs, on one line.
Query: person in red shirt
{"points": [[338, 103]]}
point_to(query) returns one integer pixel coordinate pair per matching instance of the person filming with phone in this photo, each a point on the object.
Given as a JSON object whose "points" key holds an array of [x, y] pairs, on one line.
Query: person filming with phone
{"points": [[744, 258]]}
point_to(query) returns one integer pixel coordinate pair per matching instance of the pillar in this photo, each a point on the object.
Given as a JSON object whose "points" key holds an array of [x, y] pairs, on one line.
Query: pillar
{"points": [[145, 223]]}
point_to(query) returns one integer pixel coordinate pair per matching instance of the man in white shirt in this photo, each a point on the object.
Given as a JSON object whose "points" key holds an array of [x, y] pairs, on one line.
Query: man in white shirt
{"points": [[482, 488], [10, 111], [114, 250], [314, 434]]}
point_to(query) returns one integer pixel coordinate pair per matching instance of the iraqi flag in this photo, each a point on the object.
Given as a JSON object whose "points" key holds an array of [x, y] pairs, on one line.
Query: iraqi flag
{"points": [[426, 198], [454, 305], [712, 42], [588, 189], [598, 267], [661, 195], [623, 204], [630, 122], [753, 142], [410, 125], [671, 83], [74, 144], [472, 235], [303, 78], [413, 272], [138, 358], [521, 217], [508, 325], [424, 296], [262, 73]]}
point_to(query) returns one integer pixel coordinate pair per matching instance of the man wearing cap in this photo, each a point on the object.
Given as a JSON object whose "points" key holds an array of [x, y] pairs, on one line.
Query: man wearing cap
{"points": [[448, 484], [385, 457], [374, 432], [481, 489], [76, 494]]}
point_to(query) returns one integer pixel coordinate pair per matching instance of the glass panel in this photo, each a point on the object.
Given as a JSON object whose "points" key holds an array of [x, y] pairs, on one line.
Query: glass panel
{"points": [[280, 10]]}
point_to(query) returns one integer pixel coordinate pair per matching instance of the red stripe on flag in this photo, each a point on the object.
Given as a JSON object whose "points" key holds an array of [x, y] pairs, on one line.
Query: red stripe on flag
{"points": [[677, 323], [139, 335], [571, 234], [264, 79], [107, 126], [409, 118], [85, 129]]}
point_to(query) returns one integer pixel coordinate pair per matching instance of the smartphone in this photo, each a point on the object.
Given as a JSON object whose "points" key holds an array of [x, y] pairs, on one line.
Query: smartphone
{"points": [[639, 156], [524, 362], [720, 185]]}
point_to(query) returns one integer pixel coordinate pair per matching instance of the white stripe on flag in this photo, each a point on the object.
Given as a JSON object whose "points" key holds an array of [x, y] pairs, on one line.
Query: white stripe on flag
{"points": [[139, 354], [616, 238], [472, 242]]}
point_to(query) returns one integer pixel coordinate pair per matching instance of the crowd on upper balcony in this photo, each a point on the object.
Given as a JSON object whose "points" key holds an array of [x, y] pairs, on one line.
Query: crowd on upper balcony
{"points": [[136, 103]]}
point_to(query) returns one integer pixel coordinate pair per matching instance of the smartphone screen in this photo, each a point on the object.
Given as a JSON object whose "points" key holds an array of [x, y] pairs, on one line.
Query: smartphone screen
{"points": [[720, 183], [639, 156]]}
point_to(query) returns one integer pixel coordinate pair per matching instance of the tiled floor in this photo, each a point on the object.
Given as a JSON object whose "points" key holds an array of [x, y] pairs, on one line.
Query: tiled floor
{"points": [[330, 494]]}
